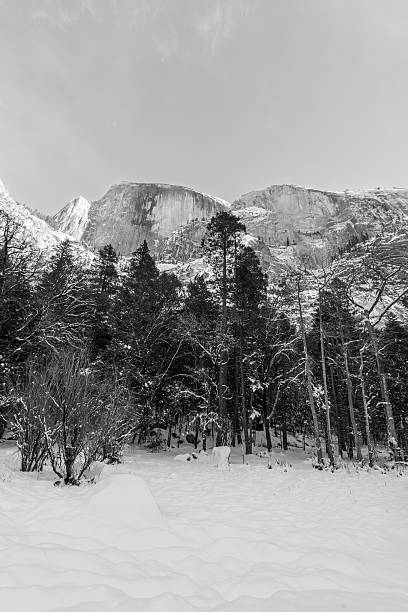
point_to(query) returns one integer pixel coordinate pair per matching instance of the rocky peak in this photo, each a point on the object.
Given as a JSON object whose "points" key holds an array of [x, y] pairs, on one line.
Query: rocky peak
{"points": [[74, 217], [129, 213]]}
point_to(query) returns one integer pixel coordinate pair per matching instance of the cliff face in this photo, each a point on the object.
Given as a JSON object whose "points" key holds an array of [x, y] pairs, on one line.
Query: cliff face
{"points": [[284, 222], [312, 221], [129, 213], [74, 217]]}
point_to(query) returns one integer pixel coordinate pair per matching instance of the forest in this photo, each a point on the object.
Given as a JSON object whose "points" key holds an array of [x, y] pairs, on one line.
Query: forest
{"points": [[95, 354]]}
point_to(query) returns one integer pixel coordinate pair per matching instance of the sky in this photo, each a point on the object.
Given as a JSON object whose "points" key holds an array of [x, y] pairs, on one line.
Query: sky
{"points": [[225, 96]]}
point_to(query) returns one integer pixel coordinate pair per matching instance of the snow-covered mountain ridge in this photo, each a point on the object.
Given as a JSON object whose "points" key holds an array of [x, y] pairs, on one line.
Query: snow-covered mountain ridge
{"points": [[284, 222], [34, 230], [171, 217]]}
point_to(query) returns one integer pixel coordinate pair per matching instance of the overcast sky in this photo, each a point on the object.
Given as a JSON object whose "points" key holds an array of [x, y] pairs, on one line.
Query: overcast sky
{"points": [[224, 96]]}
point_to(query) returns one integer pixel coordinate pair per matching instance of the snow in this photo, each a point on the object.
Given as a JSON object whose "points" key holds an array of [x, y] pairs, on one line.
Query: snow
{"points": [[155, 535], [126, 495]]}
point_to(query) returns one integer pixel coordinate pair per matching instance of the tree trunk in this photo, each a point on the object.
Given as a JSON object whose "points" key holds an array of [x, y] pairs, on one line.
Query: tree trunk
{"points": [[222, 382], [309, 382], [338, 416], [284, 434], [196, 436], [329, 442], [180, 424], [392, 436], [266, 422], [251, 420], [366, 415], [247, 440], [236, 432], [222, 386], [356, 433]]}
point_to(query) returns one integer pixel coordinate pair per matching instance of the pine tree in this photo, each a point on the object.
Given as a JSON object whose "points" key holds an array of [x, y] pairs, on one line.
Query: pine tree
{"points": [[250, 293], [64, 301], [220, 244], [104, 286], [146, 346]]}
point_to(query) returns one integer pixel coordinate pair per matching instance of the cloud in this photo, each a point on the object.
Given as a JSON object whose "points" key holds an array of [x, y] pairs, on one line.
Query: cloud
{"points": [[167, 45], [223, 20], [55, 13], [173, 30]]}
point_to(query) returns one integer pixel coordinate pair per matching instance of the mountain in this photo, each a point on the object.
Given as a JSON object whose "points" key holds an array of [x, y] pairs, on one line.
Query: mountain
{"points": [[129, 213], [33, 230], [316, 223], [36, 230], [285, 223]]}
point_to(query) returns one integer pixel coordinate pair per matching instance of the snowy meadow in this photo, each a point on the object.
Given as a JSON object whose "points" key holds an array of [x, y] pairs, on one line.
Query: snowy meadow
{"points": [[159, 535]]}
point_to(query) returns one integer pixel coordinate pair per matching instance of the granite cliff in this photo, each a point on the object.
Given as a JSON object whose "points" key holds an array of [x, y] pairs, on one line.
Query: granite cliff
{"points": [[284, 222], [317, 223], [129, 213]]}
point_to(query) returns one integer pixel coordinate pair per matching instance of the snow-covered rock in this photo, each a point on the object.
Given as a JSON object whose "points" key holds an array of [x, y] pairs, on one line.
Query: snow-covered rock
{"points": [[94, 472], [183, 457], [221, 455], [126, 496]]}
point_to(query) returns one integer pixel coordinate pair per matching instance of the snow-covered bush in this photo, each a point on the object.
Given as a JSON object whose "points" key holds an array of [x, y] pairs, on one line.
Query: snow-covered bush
{"points": [[83, 420], [65, 414]]}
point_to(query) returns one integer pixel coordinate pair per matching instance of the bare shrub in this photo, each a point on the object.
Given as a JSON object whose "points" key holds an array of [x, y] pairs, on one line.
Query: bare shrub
{"points": [[26, 399], [63, 412], [82, 421]]}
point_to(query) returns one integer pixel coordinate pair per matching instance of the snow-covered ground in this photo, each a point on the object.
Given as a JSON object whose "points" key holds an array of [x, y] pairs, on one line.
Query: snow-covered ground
{"points": [[159, 535]]}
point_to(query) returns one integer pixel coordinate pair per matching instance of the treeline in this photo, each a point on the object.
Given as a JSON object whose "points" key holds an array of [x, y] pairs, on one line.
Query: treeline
{"points": [[92, 356]]}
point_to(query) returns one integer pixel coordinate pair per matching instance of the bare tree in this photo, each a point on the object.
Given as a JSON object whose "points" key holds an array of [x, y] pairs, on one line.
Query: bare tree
{"points": [[308, 372], [375, 276]]}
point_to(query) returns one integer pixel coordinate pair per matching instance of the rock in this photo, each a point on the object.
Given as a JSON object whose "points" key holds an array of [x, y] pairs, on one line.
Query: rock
{"points": [[125, 497], [129, 213], [183, 457], [94, 472], [221, 455]]}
